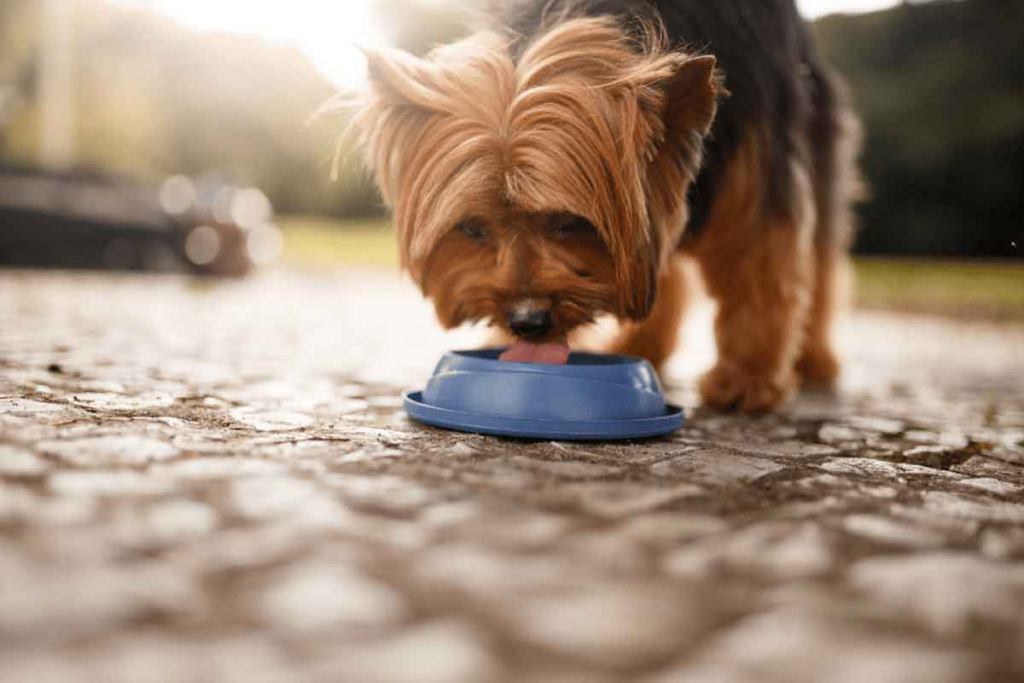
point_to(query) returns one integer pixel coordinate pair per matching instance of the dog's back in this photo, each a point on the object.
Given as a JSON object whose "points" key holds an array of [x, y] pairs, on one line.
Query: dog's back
{"points": [[769, 217], [550, 174], [777, 83]]}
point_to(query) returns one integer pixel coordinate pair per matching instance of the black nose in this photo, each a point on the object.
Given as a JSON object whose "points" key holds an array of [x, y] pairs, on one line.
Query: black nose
{"points": [[529, 322]]}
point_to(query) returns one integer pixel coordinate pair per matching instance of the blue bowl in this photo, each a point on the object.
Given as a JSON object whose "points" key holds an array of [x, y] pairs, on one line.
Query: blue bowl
{"points": [[592, 397]]}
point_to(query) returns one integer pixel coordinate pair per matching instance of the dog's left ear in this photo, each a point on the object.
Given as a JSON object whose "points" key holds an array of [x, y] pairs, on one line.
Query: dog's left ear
{"points": [[692, 96], [688, 103]]}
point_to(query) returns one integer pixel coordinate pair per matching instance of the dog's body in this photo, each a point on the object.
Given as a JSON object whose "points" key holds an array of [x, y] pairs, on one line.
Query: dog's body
{"points": [[549, 173]]}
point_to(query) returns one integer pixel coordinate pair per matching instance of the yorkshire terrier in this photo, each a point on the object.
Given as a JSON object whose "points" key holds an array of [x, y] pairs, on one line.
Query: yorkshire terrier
{"points": [[551, 170]]}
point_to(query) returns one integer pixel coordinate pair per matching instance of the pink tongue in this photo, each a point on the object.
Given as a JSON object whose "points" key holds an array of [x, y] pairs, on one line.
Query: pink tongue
{"points": [[525, 352]]}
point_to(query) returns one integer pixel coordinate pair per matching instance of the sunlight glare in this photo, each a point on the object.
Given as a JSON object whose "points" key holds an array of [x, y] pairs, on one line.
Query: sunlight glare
{"points": [[328, 31], [325, 31]]}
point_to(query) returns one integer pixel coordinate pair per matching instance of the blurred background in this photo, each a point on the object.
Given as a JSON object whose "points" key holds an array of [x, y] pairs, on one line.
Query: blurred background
{"points": [[173, 135]]}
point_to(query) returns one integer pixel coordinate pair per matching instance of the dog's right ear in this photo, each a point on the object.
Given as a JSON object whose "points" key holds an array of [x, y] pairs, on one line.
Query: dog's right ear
{"points": [[389, 111], [423, 125]]}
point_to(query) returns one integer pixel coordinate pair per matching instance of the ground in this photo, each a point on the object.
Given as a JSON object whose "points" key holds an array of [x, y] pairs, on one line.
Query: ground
{"points": [[216, 482]]}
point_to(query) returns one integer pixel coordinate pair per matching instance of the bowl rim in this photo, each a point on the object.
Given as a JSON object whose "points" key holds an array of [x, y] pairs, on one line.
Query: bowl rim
{"points": [[610, 367], [584, 359], [561, 430]]}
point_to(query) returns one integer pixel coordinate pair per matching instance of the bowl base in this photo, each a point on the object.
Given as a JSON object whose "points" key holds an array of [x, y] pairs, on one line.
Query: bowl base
{"points": [[582, 430]]}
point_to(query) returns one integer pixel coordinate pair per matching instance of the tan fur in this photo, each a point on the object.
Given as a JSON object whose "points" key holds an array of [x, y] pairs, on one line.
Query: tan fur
{"points": [[837, 185], [655, 338], [479, 279], [558, 179], [758, 267], [818, 365], [583, 124]]}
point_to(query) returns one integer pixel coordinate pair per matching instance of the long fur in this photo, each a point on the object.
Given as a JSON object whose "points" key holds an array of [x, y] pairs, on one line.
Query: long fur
{"points": [[563, 160], [583, 123]]}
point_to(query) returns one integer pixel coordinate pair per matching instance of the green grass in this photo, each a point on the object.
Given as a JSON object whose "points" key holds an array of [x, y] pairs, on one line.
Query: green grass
{"points": [[976, 290], [980, 290], [319, 242]]}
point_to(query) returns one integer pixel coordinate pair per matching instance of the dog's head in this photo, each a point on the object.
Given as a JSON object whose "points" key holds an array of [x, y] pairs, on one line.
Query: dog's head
{"points": [[538, 191]]}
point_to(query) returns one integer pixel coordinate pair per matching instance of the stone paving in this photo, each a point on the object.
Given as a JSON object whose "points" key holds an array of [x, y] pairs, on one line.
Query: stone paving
{"points": [[215, 482]]}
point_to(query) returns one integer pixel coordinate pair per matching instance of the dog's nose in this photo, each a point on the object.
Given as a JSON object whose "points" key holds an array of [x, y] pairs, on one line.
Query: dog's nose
{"points": [[529, 321]]}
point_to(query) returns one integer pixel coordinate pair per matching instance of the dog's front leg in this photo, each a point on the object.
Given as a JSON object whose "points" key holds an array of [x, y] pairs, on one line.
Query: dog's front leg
{"points": [[760, 268]]}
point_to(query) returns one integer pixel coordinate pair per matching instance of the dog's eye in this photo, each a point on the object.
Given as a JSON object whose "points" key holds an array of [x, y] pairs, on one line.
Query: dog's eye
{"points": [[571, 225], [473, 229]]}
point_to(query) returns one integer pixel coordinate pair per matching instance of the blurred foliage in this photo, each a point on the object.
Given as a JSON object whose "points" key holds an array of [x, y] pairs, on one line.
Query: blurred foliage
{"points": [[154, 99], [940, 86]]}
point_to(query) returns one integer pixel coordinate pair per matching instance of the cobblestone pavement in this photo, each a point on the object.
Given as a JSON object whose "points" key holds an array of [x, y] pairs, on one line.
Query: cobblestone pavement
{"points": [[216, 482]]}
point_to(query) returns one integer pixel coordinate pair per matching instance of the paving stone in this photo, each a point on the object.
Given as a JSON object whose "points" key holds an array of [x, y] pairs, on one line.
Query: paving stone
{"points": [[276, 421], [800, 648], [567, 469], [892, 532], [107, 483], [19, 504], [781, 550], [326, 597], [216, 467], [120, 402], [972, 508], [178, 504], [440, 651], [837, 434], [90, 599], [984, 467], [717, 467], [882, 425], [1002, 544], [392, 494], [164, 524], [523, 532], [797, 449], [266, 497], [627, 626], [109, 451], [997, 486], [949, 592], [18, 462], [11, 405], [669, 529], [622, 499]]}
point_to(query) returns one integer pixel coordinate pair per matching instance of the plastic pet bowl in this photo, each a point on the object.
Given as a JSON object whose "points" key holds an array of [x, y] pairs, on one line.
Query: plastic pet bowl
{"points": [[592, 397]]}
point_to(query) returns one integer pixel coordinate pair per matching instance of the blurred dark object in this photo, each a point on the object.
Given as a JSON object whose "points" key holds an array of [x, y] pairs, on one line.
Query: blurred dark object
{"points": [[80, 220], [940, 86]]}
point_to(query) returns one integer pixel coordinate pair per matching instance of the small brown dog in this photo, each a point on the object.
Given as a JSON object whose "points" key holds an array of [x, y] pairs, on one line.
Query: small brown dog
{"points": [[549, 172]]}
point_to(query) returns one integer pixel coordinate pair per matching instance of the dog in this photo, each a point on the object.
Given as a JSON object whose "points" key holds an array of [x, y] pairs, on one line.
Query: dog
{"points": [[552, 169]]}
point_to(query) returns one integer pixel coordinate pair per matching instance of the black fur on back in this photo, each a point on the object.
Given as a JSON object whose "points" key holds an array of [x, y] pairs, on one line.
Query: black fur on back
{"points": [[775, 79]]}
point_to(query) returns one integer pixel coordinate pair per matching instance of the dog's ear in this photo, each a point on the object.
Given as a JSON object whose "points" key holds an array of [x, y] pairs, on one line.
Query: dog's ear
{"points": [[638, 292], [691, 96], [420, 124], [689, 103]]}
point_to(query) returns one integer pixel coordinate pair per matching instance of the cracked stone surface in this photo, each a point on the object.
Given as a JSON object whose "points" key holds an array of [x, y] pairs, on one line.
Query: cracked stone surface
{"points": [[216, 482]]}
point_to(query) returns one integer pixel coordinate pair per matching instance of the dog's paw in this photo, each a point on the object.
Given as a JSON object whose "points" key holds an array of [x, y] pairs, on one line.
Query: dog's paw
{"points": [[818, 369], [729, 388]]}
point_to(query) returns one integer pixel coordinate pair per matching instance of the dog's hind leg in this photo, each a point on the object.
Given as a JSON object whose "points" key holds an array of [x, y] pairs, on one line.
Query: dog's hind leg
{"points": [[757, 261], [835, 140]]}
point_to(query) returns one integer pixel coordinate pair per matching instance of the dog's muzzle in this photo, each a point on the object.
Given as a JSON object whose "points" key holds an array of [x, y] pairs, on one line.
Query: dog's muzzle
{"points": [[529, 320]]}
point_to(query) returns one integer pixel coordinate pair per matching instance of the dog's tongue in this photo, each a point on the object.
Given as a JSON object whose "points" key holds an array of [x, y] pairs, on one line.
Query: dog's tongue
{"points": [[525, 352]]}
